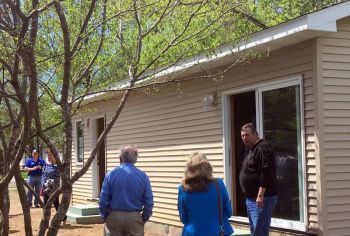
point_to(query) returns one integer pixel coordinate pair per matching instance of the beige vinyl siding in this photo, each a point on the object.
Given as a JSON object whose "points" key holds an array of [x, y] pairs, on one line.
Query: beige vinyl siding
{"points": [[82, 189], [335, 76], [170, 124], [167, 127]]}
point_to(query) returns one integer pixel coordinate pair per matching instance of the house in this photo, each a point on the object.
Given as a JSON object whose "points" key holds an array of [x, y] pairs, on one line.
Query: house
{"points": [[298, 96]]}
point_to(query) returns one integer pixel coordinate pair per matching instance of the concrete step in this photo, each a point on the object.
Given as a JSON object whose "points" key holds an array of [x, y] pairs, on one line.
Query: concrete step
{"points": [[79, 219], [84, 210], [92, 201], [241, 232]]}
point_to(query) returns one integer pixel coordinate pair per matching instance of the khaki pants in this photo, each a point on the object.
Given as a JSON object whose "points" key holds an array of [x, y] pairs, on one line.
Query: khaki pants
{"points": [[124, 223]]}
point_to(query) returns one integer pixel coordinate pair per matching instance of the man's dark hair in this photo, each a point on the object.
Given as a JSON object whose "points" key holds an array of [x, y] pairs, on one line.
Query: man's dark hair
{"points": [[250, 126]]}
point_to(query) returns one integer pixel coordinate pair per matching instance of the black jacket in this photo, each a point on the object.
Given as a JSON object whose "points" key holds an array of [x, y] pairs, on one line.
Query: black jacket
{"points": [[259, 170]]}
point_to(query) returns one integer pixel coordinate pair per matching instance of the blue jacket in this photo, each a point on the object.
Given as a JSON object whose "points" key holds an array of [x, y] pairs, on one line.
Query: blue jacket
{"points": [[199, 211]]}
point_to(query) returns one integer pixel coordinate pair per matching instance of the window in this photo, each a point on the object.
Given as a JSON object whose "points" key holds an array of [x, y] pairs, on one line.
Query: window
{"points": [[80, 141], [276, 109]]}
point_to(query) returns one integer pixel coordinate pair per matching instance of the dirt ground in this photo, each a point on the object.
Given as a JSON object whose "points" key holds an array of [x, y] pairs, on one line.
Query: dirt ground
{"points": [[70, 229]]}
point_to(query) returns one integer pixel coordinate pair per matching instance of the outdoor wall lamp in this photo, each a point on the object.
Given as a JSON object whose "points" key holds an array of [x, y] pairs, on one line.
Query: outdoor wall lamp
{"points": [[210, 100]]}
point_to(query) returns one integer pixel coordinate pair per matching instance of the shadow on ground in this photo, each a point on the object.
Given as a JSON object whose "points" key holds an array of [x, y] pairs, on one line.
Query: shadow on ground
{"points": [[13, 231], [14, 215]]}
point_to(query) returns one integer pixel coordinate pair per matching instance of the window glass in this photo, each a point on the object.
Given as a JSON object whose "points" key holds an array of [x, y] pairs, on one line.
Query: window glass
{"points": [[281, 123], [80, 141]]}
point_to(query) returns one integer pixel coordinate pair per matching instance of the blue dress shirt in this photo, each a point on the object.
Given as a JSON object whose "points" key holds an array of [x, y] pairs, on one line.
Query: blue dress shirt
{"points": [[199, 211], [126, 189]]}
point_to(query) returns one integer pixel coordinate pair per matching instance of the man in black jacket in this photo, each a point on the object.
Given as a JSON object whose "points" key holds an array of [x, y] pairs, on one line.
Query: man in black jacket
{"points": [[258, 181]]}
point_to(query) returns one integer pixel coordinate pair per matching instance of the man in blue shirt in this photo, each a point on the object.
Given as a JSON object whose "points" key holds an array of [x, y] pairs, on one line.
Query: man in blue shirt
{"points": [[34, 166], [126, 199]]}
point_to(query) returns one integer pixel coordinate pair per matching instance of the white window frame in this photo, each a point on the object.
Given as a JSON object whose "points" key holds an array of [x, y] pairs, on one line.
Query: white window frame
{"points": [[259, 88], [76, 142]]}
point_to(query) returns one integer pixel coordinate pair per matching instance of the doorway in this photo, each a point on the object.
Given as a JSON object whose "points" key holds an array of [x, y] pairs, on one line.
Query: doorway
{"points": [[99, 163], [242, 111], [101, 153]]}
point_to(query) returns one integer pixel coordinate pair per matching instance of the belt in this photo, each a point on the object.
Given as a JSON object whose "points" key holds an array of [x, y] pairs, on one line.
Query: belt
{"points": [[126, 210]]}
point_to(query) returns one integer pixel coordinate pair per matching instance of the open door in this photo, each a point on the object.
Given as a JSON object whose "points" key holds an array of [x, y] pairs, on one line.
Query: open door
{"points": [[98, 165], [242, 111]]}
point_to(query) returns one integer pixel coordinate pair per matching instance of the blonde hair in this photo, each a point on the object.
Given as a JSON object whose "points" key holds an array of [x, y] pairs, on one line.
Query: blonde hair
{"points": [[198, 173]]}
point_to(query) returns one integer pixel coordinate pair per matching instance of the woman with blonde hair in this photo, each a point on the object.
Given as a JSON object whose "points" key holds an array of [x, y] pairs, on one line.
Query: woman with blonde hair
{"points": [[203, 203]]}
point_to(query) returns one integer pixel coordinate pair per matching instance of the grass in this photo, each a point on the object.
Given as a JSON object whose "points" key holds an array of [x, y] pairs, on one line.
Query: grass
{"points": [[24, 174]]}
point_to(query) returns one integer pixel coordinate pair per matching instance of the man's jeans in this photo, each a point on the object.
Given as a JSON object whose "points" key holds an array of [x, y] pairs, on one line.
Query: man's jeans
{"points": [[35, 183], [260, 218]]}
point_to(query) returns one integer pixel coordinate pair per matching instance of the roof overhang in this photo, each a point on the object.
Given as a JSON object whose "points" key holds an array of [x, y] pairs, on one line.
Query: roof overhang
{"points": [[285, 34]]}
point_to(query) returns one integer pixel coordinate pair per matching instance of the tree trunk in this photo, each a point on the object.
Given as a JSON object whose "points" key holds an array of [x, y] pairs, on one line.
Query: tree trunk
{"points": [[5, 210], [44, 223], [62, 211], [23, 200]]}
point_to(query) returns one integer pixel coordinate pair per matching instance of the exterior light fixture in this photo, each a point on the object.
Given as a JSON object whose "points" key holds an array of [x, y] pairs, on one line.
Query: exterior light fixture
{"points": [[210, 100]]}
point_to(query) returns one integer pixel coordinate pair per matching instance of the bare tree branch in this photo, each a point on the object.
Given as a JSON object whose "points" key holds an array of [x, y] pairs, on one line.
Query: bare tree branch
{"points": [[39, 10], [173, 41], [137, 16], [250, 18], [2, 137], [7, 65], [84, 26], [16, 8], [92, 62], [161, 17], [67, 53]]}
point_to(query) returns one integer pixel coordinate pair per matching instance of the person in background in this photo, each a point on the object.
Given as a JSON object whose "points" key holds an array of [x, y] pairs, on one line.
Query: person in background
{"points": [[258, 181], [126, 199], [198, 200], [34, 166], [51, 181]]}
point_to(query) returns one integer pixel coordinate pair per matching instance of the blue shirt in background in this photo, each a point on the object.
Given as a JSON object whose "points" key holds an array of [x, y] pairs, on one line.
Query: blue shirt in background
{"points": [[30, 163], [126, 189], [199, 211]]}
